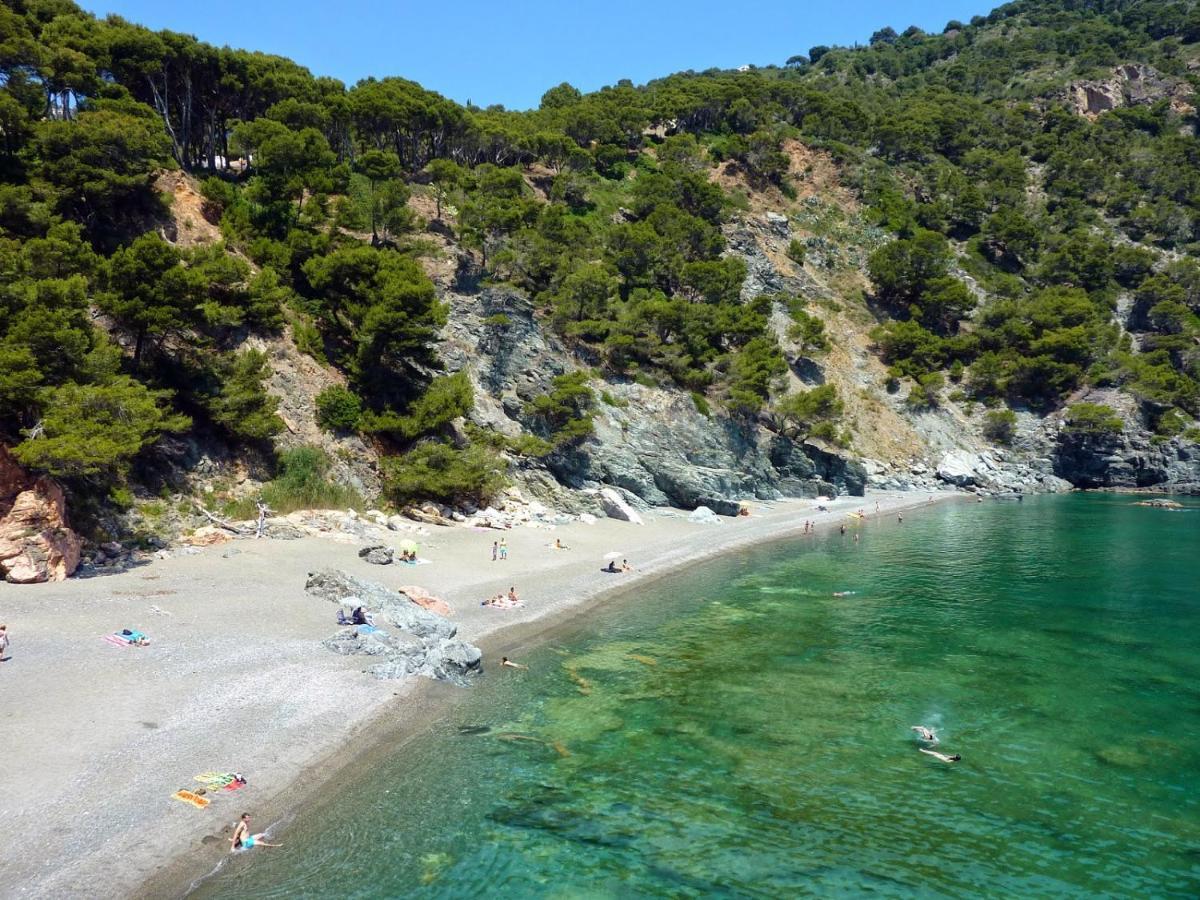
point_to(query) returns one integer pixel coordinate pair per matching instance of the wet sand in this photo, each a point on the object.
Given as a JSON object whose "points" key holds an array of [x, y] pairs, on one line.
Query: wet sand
{"points": [[97, 738]]}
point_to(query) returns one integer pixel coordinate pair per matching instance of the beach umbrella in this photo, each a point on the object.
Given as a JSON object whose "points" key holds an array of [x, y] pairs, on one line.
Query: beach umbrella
{"points": [[408, 546], [616, 554]]}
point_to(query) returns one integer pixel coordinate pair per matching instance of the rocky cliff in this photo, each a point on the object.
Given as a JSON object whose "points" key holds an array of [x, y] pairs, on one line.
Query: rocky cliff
{"points": [[652, 443]]}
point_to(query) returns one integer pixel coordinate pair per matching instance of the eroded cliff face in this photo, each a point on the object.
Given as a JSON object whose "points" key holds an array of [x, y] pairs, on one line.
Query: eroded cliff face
{"points": [[36, 541], [651, 442]]}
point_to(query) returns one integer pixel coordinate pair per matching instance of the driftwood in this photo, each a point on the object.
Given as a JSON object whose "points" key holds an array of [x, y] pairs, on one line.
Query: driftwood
{"points": [[220, 523]]}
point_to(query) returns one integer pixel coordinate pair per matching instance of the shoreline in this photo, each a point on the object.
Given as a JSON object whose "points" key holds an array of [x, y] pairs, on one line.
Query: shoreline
{"points": [[309, 719]]}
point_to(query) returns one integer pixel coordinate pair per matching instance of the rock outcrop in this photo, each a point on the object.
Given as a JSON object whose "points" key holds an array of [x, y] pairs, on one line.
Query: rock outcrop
{"points": [[36, 542], [1129, 85], [411, 639], [1131, 459], [651, 443]]}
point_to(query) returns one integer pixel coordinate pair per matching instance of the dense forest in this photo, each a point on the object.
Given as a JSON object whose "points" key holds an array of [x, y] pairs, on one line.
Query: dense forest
{"points": [[1019, 227]]}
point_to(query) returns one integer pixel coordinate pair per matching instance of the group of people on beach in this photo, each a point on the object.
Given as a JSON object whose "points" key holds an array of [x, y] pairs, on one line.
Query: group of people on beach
{"points": [[499, 549]]}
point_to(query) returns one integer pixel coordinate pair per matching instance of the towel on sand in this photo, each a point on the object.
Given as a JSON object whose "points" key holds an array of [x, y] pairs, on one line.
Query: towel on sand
{"points": [[188, 797]]}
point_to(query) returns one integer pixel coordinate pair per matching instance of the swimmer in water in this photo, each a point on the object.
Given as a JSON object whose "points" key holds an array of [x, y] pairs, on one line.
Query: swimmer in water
{"points": [[509, 664], [242, 838], [925, 734], [844, 593], [942, 756]]}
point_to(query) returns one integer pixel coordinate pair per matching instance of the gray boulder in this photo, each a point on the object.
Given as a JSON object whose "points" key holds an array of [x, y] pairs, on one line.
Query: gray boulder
{"points": [[377, 555], [418, 643], [396, 608]]}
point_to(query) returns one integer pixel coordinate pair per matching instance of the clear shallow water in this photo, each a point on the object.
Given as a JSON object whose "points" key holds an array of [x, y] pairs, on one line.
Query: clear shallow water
{"points": [[739, 731]]}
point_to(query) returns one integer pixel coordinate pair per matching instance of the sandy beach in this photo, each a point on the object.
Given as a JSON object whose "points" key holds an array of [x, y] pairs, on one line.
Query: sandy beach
{"points": [[98, 737]]}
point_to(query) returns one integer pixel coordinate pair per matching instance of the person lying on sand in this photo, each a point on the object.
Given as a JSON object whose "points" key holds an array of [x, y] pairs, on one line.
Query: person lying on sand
{"points": [[508, 663], [942, 756], [242, 838], [359, 616], [925, 734]]}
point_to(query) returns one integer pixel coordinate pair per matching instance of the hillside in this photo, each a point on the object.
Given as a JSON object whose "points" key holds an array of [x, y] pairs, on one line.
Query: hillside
{"points": [[963, 258]]}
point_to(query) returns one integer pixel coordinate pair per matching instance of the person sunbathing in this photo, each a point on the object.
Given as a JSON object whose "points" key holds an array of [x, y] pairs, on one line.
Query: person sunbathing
{"points": [[512, 595], [625, 566], [359, 617], [611, 567]]}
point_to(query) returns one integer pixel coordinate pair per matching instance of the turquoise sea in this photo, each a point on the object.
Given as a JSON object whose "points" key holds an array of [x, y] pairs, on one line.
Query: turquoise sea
{"points": [[738, 731]]}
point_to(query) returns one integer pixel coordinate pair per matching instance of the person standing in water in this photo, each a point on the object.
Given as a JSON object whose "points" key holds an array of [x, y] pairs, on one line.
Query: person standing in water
{"points": [[843, 528], [242, 838]]}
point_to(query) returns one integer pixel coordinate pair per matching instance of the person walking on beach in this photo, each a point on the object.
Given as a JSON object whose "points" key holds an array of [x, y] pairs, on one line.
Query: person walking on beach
{"points": [[242, 838], [503, 548], [495, 550], [3, 643]]}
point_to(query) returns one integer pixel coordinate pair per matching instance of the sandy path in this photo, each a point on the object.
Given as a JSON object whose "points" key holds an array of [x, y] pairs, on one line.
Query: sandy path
{"points": [[96, 738]]}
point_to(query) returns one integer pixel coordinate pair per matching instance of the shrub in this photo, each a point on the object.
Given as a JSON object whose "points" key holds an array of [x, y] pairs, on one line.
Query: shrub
{"points": [[1000, 425], [338, 409], [438, 471], [564, 414], [303, 482], [796, 251], [701, 404], [1093, 419]]}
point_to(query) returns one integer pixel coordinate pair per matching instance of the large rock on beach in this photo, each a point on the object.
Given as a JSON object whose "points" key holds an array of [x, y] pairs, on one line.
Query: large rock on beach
{"points": [[410, 640], [398, 609], [36, 542], [615, 507]]}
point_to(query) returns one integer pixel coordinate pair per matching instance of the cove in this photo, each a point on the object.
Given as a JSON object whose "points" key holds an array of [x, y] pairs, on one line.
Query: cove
{"points": [[736, 730]]}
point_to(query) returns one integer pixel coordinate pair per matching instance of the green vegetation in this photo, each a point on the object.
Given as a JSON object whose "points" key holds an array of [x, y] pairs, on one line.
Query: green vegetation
{"points": [[338, 409], [1093, 420], [443, 472], [302, 482], [1000, 425], [1017, 228]]}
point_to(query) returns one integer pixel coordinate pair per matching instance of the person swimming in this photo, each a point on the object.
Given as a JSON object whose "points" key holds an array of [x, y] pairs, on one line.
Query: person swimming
{"points": [[509, 664], [844, 593], [942, 756], [925, 733]]}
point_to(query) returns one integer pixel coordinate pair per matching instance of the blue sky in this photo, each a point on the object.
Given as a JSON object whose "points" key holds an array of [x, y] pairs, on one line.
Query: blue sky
{"points": [[511, 53]]}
